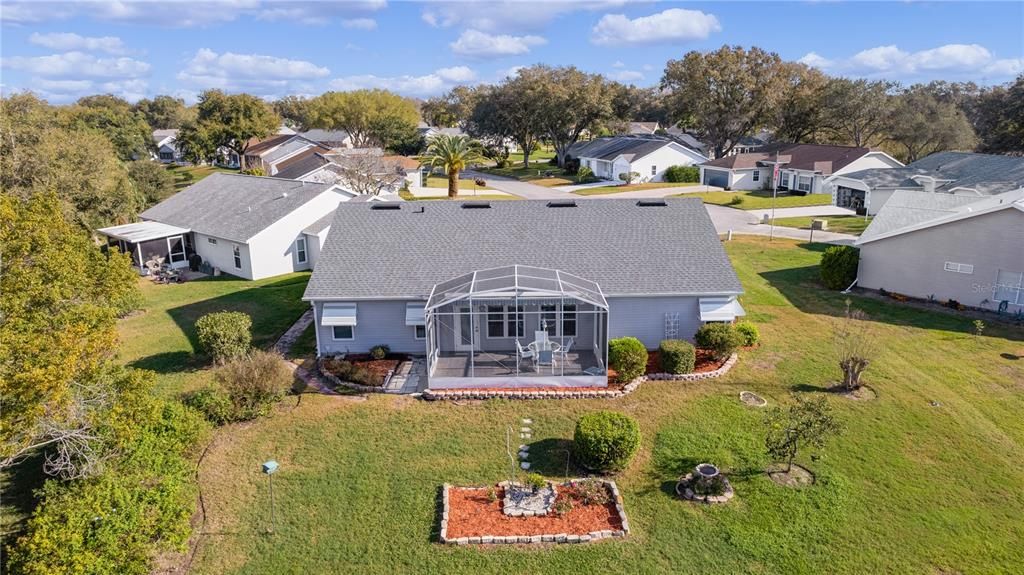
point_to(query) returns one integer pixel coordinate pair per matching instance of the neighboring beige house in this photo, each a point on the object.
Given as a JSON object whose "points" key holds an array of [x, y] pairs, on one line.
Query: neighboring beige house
{"points": [[948, 246], [803, 168]]}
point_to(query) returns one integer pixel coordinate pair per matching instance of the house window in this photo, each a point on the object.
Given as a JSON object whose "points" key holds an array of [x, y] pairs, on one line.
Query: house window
{"points": [[784, 180], [420, 332], [211, 241], [343, 332], [803, 183], [757, 175], [176, 249], [504, 321], [237, 252], [166, 155], [1009, 287], [654, 170], [958, 268], [300, 250], [549, 317]]}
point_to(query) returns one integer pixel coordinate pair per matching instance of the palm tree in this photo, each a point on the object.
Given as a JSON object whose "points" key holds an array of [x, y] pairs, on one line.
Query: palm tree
{"points": [[453, 153]]}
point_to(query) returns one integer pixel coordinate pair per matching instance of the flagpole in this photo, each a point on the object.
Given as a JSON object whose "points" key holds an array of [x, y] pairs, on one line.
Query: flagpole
{"points": [[775, 192]]}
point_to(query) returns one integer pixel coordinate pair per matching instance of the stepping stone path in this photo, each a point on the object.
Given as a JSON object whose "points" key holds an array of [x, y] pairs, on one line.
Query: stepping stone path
{"points": [[525, 432]]}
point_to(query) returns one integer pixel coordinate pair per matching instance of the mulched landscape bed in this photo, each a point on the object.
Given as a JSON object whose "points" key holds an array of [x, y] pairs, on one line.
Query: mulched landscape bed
{"points": [[471, 513], [704, 363], [378, 368]]}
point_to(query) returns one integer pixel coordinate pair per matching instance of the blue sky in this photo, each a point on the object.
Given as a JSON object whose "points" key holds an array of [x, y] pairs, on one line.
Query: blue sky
{"points": [[63, 50]]}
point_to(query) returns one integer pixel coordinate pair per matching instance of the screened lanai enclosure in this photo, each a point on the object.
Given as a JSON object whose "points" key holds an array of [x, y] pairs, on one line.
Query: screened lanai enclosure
{"points": [[516, 326]]}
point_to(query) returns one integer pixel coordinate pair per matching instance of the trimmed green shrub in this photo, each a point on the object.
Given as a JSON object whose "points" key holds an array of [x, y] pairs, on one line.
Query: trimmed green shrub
{"points": [[735, 201], [585, 175], [224, 335], [677, 356], [606, 440], [839, 266], [629, 177], [536, 481], [213, 402], [721, 339], [254, 383], [379, 351], [682, 174], [749, 332], [628, 357]]}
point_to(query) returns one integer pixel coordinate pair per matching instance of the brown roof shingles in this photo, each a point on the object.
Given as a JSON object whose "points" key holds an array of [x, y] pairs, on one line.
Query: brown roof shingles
{"points": [[811, 157]]}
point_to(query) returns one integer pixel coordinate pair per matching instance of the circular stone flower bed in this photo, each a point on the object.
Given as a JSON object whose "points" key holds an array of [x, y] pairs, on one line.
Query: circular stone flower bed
{"points": [[472, 515], [796, 476], [752, 399]]}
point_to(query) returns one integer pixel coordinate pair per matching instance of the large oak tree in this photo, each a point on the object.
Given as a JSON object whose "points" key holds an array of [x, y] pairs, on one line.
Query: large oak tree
{"points": [[234, 121], [369, 116]]}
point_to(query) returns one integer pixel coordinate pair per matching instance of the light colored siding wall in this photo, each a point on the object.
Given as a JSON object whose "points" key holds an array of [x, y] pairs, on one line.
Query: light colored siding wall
{"points": [[868, 161], [378, 322], [744, 180], [274, 247], [644, 317], [876, 199], [220, 255], [662, 159], [912, 263], [314, 242]]}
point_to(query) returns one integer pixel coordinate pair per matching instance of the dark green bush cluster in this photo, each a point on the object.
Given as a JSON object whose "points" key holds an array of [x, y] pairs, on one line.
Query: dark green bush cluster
{"points": [[839, 266], [628, 357], [749, 332], [379, 351], [585, 175], [682, 174], [677, 356], [224, 335], [721, 339], [140, 505], [606, 440], [246, 388]]}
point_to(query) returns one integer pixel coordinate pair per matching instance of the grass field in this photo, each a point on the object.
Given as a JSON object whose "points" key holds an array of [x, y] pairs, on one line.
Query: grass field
{"points": [[854, 225], [604, 190], [759, 199], [162, 336], [908, 488], [465, 185], [185, 176]]}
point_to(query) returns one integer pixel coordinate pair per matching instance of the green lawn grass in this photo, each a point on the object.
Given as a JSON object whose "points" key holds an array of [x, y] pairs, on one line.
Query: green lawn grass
{"points": [[162, 336], [854, 225], [604, 190], [759, 199], [465, 185], [908, 488], [185, 176]]}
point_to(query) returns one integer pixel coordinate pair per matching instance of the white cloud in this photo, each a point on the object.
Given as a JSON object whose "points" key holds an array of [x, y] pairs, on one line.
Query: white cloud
{"points": [[68, 42], [248, 72], [77, 65], [949, 60], [509, 15], [510, 72], [671, 26], [431, 84], [481, 45], [65, 91], [360, 23], [618, 64], [627, 76]]}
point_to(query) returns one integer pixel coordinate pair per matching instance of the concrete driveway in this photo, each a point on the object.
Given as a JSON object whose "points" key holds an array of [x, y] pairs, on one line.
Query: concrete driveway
{"points": [[744, 222]]}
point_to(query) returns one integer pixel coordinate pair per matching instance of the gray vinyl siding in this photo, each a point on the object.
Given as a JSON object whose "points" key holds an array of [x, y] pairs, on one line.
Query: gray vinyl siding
{"points": [[378, 322], [644, 317], [913, 263]]}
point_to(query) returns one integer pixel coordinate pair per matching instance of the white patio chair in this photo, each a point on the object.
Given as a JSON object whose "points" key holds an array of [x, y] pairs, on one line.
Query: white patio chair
{"points": [[522, 354], [562, 353], [540, 337]]}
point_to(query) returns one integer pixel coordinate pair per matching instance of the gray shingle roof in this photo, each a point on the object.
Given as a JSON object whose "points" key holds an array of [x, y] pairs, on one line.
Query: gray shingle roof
{"points": [[233, 206], [610, 148], [302, 166], [908, 208], [626, 248], [319, 225], [987, 173]]}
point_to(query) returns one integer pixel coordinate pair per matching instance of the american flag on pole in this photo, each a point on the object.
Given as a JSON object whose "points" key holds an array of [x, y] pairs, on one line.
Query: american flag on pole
{"points": [[775, 175]]}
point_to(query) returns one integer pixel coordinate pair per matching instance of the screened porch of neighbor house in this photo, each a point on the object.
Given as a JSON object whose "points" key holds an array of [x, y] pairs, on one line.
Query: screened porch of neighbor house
{"points": [[516, 326], [151, 243]]}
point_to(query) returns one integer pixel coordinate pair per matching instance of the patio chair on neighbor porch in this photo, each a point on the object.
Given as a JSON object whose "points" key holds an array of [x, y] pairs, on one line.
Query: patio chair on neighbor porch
{"points": [[562, 353], [522, 354]]}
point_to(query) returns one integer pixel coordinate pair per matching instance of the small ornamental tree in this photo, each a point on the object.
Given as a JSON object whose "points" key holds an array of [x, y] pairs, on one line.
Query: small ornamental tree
{"points": [[224, 335], [628, 357], [839, 266], [856, 347], [721, 339], [606, 440], [807, 422], [628, 177]]}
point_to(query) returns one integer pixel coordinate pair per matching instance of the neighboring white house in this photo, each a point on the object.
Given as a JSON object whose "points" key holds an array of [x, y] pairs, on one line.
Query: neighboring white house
{"points": [[248, 226], [964, 173], [167, 151], [948, 247], [647, 156], [803, 168]]}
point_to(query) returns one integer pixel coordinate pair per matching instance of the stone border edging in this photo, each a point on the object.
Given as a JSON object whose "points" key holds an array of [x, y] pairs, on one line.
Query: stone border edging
{"points": [[336, 381], [545, 538], [570, 393]]}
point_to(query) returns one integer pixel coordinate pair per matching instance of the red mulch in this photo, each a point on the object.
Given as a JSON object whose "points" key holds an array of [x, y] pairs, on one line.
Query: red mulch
{"points": [[705, 362], [378, 368], [470, 514]]}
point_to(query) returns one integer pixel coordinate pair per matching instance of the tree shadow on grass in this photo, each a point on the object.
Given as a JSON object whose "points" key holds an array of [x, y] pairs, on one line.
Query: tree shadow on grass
{"points": [[548, 457], [808, 388], [169, 362]]}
